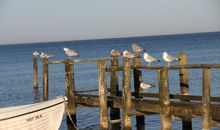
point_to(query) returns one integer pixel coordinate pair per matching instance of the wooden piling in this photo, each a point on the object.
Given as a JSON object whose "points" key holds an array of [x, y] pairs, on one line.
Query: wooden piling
{"points": [[206, 99], [164, 100], [35, 72], [114, 91], [126, 92], [70, 93], [45, 79], [184, 87], [103, 103], [137, 89]]}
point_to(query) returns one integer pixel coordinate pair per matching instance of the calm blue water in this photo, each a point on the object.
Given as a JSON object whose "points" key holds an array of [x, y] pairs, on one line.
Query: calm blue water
{"points": [[16, 70]]}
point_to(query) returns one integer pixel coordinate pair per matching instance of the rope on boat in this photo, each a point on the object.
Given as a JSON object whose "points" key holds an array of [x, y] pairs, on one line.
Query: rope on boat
{"points": [[68, 113]]}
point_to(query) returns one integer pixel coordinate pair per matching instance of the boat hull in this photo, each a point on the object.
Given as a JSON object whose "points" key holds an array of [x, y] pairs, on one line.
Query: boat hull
{"points": [[39, 116]]}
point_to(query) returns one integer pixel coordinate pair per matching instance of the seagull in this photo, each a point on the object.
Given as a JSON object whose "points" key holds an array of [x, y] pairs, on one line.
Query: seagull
{"points": [[36, 53], [137, 48], [70, 52], [116, 53], [128, 54], [45, 55], [149, 58], [168, 58], [146, 85]]}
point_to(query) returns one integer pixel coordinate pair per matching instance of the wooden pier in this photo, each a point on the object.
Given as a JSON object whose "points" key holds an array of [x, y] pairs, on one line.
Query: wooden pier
{"points": [[137, 103]]}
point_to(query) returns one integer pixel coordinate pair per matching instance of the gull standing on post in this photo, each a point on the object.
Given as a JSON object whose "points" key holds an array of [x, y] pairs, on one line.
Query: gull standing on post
{"points": [[36, 53], [128, 54], [45, 55], [116, 52], [69, 52], [137, 48], [168, 58], [149, 58]]}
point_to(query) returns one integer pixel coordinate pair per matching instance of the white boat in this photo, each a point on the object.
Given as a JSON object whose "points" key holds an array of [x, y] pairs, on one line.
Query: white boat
{"points": [[45, 115]]}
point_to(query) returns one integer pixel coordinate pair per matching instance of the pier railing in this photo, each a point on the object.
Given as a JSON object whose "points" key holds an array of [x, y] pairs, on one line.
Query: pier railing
{"points": [[137, 103]]}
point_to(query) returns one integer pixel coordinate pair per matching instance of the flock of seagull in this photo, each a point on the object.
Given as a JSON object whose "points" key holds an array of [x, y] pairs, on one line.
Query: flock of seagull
{"points": [[69, 52], [135, 47], [148, 58]]}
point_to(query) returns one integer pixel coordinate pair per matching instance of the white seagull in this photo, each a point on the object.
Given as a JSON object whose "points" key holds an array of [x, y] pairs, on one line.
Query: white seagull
{"points": [[146, 85], [168, 58], [70, 52], [116, 53], [45, 55], [36, 53], [128, 54], [149, 58], [137, 48]]}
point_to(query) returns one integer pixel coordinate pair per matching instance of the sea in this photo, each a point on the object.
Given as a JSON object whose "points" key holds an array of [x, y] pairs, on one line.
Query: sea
{"points": [[16, 71]]}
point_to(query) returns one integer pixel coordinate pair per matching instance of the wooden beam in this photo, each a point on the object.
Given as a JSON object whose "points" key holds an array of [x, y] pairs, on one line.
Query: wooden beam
{"points": [[137, 89], [114, 91], [179, 96], [172, 67], [206, 99], [126, 92], [165, 112], [45, 79], [103, 106], [88, 90], [179, 109], [35, 72], [184, 87], [188, 66], [70, 93]]}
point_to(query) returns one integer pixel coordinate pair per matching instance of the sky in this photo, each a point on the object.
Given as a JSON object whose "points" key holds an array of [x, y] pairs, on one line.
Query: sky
{"points": [[28, 21]]}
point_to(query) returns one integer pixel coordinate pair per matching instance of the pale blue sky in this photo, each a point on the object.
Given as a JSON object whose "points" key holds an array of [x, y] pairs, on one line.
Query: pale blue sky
{"points": [[27, 21]]}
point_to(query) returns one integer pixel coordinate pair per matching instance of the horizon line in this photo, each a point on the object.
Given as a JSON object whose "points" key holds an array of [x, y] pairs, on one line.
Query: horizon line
{"points": [[169, 34]]}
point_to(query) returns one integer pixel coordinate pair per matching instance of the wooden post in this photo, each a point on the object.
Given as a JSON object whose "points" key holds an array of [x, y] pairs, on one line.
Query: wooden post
{"points": [[103, 103], [114, 91], [70, 93], [35, 72], [45, 79], [164, 100], [36, 95], [206, 99], [137, 89], [184, 87], [126, 92]]}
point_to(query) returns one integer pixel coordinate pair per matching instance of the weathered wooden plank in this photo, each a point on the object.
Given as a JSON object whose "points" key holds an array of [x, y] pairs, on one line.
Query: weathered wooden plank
{"points": [[165, 111], [188, 66], [179, 96], [70, 93], [206, 99], [56, 62], [114, 91], [35, 72], [87, 90], [184, 86], [91, 60], [137, 89], [45, 79], [126, 92], [103, 103], [116, 121], [179, 109], [172, 67], [79, 60]]}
